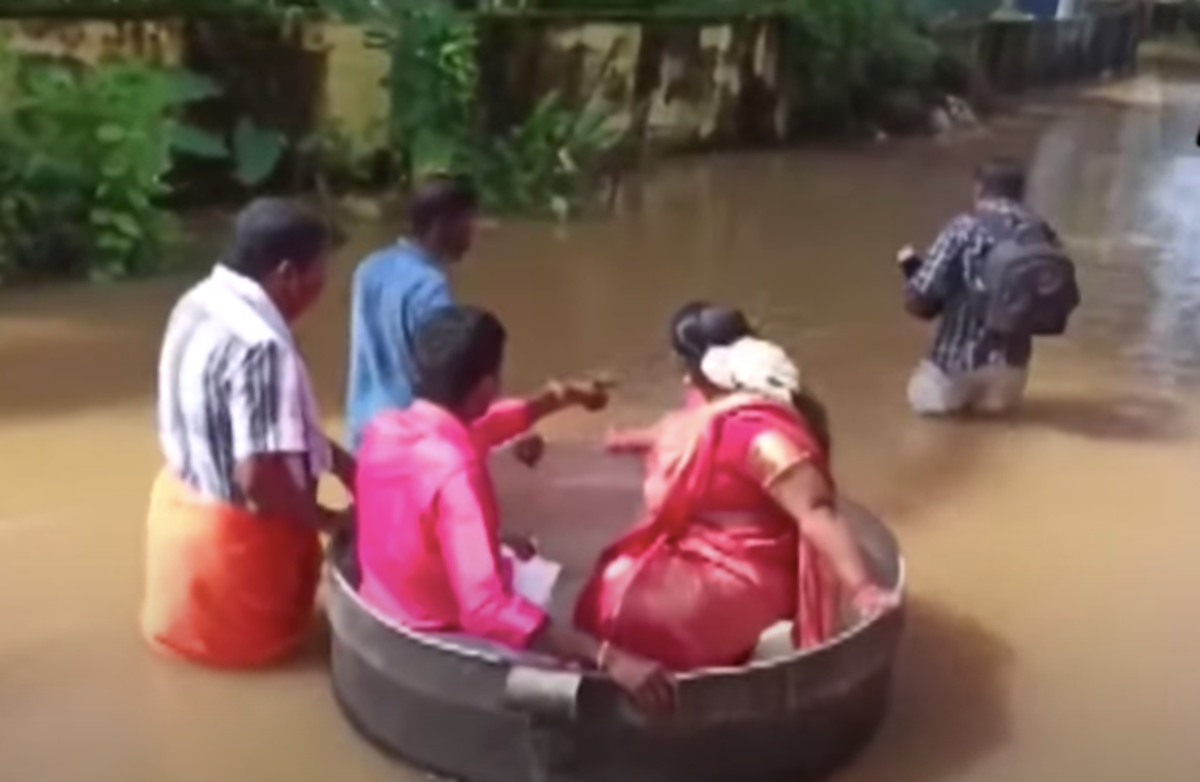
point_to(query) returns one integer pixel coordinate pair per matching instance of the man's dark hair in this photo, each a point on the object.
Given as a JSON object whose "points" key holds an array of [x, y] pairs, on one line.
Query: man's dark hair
{"points": [[440, 198], [270, 231], [1001, 177], [453, 351]]}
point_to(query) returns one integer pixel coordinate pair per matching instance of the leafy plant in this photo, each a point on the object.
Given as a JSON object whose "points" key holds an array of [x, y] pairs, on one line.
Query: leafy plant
{"points": [[335, 160], [84, 153], [540, 165], [254, 151], [431, 82], [846, 54]]}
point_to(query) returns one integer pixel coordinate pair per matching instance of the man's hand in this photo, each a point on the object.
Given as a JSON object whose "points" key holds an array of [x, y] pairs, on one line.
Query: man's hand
{"points": [[345, 468], [906, 254], [591, 395], [339, 522], [647, 684], [557, 396], [529, 449]]}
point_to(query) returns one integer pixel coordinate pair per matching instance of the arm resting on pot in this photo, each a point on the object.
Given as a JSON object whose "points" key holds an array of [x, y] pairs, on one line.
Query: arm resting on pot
{"points": [[801, 489]]}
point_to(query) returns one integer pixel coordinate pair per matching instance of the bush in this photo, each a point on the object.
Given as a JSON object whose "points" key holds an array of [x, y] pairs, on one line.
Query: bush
{"points": [[545, 164], [540, 166], [85, 151], [847, 55]]}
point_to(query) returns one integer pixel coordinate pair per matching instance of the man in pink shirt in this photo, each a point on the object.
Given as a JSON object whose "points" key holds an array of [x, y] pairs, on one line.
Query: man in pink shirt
{"points": [[428, 523]]}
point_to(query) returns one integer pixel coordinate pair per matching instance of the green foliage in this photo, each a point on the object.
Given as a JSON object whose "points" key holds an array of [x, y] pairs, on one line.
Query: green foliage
{"points": [[431, 82], [84, 157], [147, 8], [848, 53], [435, 122], [256, 152], [84, 154], [337, 160], [846, 56], [953, 9], [542, 164]]}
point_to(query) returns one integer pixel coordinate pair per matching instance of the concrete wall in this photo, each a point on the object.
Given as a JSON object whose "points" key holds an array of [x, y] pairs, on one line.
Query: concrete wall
{"points": [[353, 95], [686, 81], [1011, 56], [683, 82], [158, 41]]}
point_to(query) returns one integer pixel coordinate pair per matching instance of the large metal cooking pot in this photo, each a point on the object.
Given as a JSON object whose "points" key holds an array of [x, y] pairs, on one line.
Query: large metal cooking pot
{"points": [[475, 716]]}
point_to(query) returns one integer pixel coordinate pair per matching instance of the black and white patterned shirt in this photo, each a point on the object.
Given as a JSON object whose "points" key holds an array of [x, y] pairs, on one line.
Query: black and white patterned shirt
{"points": [[962, 342], [230, 385]]}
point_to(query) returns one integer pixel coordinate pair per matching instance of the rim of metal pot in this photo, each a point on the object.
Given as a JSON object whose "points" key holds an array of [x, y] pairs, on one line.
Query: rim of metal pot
{"points": [[704, 673]]}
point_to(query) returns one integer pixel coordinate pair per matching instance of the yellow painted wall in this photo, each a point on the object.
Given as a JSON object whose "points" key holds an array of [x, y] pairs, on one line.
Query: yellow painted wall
{"points": [[696, 92], [355, 96], [159, 42], [615, 46]]}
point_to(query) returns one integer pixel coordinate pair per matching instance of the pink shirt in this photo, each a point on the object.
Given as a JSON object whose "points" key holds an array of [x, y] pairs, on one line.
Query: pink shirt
{"points": [[428, 524]]}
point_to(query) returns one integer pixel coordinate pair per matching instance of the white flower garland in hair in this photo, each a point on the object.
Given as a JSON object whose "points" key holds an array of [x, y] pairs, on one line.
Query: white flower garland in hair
{"points": [[754, 366]]}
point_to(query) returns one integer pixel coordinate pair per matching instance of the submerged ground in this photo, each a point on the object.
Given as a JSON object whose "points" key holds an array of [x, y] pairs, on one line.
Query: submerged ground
{"points": [[1052, 559]]}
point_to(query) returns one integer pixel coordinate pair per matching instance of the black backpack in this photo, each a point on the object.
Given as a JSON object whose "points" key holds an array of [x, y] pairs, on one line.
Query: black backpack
{"points": [[1025, 285]]}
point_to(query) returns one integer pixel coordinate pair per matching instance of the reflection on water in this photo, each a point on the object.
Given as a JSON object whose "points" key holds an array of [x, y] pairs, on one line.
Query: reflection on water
{"points": [[1051, 555], [1172, 342]]}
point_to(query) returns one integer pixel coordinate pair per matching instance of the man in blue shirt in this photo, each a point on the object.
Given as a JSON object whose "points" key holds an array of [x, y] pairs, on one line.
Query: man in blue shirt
{"points": [[395, 290]]}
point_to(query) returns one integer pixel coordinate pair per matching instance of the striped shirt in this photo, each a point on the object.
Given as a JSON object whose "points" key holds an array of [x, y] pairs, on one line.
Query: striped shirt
{"points": [[231, 385], [393, 292], [963, 342]]}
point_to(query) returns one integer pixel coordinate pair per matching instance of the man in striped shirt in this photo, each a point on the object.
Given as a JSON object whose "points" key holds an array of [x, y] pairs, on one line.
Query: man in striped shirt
{"points": [[968, 368], [394, 292], [233, 552]]}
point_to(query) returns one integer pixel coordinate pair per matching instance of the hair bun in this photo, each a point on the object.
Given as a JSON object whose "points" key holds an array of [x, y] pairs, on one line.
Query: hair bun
{"points": [[700, 326]]}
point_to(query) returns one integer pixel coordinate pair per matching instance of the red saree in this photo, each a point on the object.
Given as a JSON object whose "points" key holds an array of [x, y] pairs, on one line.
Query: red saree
{"points": [[715, 561]]}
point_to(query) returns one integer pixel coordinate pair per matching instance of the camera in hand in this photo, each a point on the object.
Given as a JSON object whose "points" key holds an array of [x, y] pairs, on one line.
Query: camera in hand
{"points": [[909, 260]]}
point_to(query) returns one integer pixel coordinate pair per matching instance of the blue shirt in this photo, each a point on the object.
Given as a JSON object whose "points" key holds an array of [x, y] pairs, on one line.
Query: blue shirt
{"points": [[394, 291]]}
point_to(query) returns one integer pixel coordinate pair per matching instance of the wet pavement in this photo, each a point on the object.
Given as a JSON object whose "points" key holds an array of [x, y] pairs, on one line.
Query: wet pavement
{"points": [[1051, 556]]}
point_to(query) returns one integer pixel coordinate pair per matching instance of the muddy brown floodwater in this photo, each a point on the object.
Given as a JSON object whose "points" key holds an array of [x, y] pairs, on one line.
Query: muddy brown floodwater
{"points": [[1053, 559]]}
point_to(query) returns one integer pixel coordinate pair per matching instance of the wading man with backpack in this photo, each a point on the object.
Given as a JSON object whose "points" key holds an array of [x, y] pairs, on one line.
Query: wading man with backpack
{"points": [[996, 278]]}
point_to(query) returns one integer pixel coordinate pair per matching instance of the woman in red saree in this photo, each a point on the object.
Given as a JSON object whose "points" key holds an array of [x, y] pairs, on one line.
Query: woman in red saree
{"points": [[740, 531]]}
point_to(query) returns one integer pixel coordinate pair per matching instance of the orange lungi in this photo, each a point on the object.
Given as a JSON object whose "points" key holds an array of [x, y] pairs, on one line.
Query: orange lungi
{"points": [[225, 587]]}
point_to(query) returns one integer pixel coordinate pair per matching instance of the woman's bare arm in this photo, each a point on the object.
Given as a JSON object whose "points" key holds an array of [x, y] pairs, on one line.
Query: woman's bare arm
{"points": [[805, 494], [788, 474]]}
